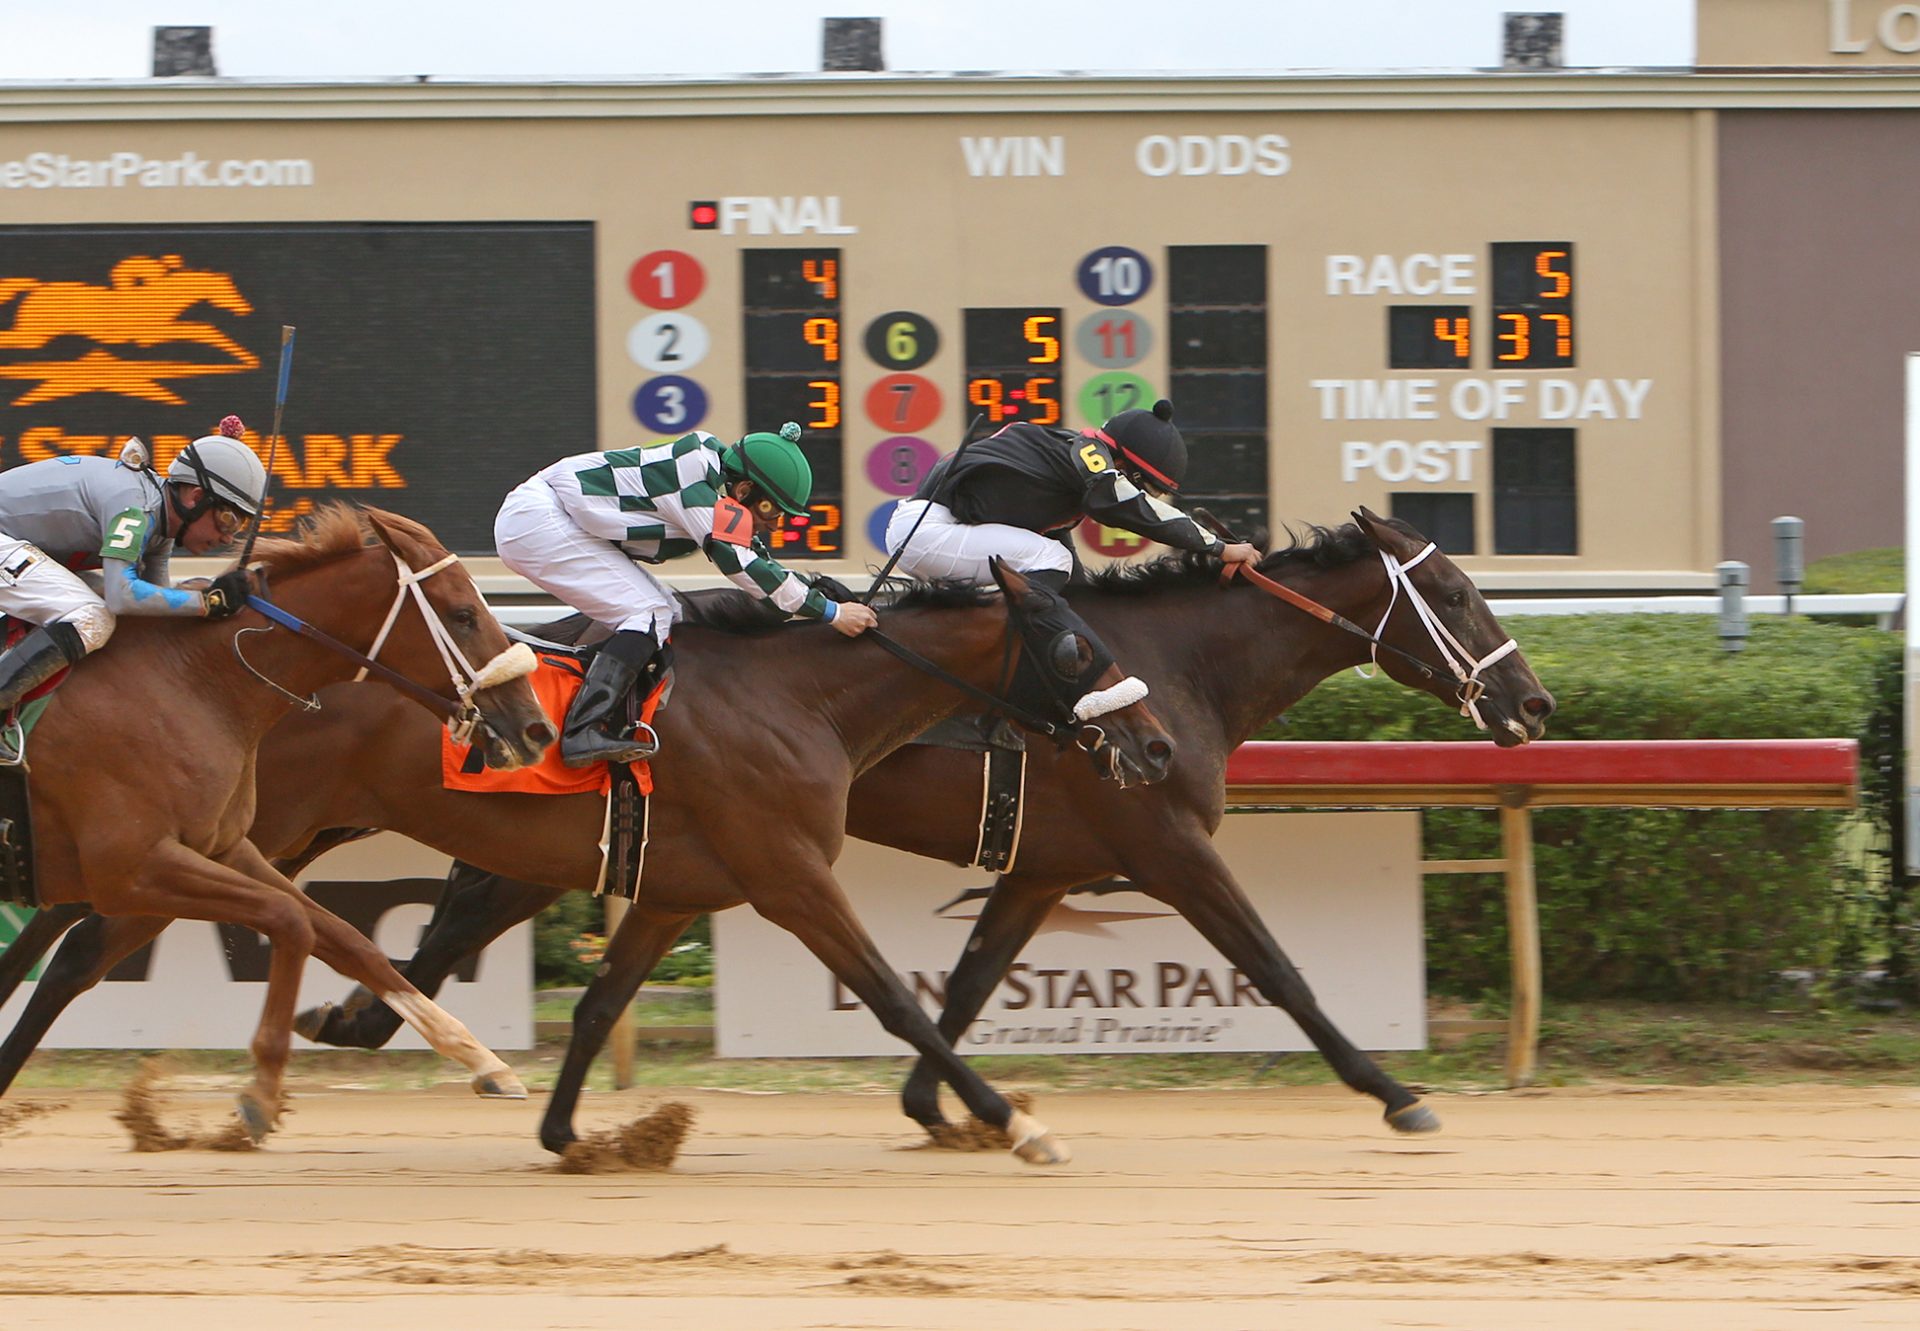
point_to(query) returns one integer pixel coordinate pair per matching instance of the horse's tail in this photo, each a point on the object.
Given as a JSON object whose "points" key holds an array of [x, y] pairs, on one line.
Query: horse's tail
{"points": [[13, 286]]}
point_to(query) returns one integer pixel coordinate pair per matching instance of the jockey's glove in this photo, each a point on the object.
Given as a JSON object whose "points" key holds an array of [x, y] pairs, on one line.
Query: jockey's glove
{"points": [[227, 594]]}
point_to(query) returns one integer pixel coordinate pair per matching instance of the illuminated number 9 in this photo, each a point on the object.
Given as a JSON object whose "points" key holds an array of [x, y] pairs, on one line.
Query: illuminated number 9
{"points": [[902, 345], [1090, 455]]}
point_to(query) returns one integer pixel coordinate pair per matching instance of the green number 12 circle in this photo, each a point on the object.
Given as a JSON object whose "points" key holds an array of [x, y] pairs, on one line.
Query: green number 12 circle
{"points": [[1107, 395]]}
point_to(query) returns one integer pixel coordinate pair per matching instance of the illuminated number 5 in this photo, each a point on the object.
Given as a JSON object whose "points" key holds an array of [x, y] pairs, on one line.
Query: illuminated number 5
{"points": [[1090, 455]]}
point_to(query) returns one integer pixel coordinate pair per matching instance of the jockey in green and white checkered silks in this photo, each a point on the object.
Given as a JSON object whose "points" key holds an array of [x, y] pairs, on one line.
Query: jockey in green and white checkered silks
{"points": [[584, 528]]}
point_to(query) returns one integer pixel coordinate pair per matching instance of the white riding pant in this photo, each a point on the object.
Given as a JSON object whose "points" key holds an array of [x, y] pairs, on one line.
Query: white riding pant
{"points": [[945, 547], [35, 588], [539, 540]]}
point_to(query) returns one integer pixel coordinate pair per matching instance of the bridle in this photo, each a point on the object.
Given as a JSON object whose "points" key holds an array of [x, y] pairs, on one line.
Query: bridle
{"points": [[461, 712], [1465, 667]]}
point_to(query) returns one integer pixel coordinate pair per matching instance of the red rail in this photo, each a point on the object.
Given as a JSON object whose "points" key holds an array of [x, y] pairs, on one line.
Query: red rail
{"points": [[1717, 773]]}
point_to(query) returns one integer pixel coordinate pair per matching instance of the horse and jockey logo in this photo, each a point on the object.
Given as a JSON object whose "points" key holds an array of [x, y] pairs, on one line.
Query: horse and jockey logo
{"points": [[143, 305]]}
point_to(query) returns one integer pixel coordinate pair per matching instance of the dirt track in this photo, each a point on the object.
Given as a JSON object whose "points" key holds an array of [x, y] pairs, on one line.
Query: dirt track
{"points": [[1650, 1210]]}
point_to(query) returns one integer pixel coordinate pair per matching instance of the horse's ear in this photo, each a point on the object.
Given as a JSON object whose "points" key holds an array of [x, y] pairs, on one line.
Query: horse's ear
{"points": [[1377, 530], [395, 537], [1012, 582]]}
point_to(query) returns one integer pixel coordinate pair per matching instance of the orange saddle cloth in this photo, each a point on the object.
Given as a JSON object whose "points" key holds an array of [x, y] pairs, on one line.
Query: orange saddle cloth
{"points": [[555, 682]]}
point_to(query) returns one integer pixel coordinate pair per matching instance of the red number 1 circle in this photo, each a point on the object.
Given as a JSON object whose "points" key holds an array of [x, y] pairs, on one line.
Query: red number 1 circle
{"points": [[903, 403], [666, 279]]}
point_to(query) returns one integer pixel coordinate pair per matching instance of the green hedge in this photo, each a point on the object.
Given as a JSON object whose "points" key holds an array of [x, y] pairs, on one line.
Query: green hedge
{"points": [[1707, 904]]}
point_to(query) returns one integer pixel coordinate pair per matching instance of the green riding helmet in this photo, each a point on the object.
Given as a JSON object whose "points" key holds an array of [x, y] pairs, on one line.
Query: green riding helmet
{"points": [[775, 463]]}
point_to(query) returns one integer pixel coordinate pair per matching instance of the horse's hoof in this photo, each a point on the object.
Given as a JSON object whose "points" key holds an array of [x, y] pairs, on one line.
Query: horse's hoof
{"points": [[255, 1117], [310, 1023], [500, 1085], [557, 1139], [1033, 1143], [1413, 1118]]}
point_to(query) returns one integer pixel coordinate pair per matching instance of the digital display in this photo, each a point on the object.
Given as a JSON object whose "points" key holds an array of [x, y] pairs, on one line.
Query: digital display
{"points": [[1015, 366], [1429, 337], [1532, 324], [793, 355], [1217, 356], [437, 365]]}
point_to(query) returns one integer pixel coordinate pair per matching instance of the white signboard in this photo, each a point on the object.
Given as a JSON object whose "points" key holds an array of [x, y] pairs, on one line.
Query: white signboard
{"points": [[201, 986], [1114, 973]]}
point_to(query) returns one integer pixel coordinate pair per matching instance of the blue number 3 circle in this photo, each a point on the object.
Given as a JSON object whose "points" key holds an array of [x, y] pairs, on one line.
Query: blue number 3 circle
{"points": [[670, 404]]}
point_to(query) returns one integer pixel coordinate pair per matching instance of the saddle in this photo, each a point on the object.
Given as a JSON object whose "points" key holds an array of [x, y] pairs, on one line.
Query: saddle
{"points": [[567, 646]]}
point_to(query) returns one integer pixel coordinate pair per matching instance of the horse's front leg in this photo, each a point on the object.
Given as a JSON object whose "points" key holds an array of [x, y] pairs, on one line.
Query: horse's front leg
{"points": [[644, 935], [1013, 913], [94, 948], [807, 902], [1199, 885], [474, 909], [350, 952]]}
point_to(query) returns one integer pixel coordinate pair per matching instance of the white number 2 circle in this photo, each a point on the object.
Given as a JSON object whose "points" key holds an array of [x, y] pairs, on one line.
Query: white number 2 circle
{"points": [[670, 342]]}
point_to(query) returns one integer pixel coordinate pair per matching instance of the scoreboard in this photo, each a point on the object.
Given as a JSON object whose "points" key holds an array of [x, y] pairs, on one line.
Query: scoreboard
{"points": [[1481, 308]]}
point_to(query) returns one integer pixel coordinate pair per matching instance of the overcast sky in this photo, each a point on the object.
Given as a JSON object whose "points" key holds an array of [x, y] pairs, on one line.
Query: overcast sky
{"points": [[112, 39]]}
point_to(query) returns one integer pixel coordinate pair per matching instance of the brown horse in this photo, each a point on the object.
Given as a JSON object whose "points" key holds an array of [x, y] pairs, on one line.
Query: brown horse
{"points": [[766, 732], [143, 780], [1222, 664]]}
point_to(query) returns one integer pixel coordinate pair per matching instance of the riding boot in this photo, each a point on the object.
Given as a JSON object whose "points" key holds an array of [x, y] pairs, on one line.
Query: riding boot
{"points": [[595, 729], [35, 659]]}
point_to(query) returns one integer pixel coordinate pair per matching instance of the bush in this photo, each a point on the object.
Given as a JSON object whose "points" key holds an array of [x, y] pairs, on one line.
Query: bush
{"points": [[1682, 904], [570, 935]]}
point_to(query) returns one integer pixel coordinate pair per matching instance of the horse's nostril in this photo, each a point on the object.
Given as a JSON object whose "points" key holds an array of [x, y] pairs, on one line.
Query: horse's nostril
{"points": [[1538, 705], [540, 734], [1160, 752]]}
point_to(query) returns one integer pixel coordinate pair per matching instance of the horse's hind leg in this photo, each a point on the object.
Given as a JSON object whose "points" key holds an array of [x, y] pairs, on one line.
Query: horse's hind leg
{"points": [[84, 959], [811, 906], [1014, 911], [475, 908], [32, 942], [637, 945], [1202, 889]]}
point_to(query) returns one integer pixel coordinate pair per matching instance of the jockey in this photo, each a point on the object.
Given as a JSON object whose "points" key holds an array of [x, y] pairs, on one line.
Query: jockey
{"points": [[1019, 494], [581, 528], [69, 513]]}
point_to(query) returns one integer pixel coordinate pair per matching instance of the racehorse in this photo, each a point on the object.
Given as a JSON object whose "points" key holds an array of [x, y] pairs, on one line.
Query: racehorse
{"points": [[766, 731], [1222, 663], [143, 781]]}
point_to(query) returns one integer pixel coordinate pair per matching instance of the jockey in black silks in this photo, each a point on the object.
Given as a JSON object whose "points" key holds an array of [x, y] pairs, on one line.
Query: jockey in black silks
{"points": [[1017, 495]]}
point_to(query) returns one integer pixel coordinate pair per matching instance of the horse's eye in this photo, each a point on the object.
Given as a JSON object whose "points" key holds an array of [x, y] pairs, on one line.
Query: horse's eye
{"points": [[1457, 599], [464, 617]]}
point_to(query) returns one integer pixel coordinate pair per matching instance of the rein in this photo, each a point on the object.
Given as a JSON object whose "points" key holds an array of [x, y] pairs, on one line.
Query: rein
{"points": [[1452, 651], [460, 712], [995, 702]]}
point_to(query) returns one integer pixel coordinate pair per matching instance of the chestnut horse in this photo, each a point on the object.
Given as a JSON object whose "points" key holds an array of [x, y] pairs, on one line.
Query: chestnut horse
{"points": [[143, 774], [1222, 664], [766, 731]]}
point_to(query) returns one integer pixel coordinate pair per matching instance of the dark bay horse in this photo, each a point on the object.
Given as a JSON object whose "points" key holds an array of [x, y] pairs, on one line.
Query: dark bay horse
{"points": [[143, 766], [766, 732], [1221, 664]]}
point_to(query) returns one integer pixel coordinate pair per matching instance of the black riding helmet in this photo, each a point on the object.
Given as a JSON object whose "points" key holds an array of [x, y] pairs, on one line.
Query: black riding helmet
{"points": [[1149, 443]]}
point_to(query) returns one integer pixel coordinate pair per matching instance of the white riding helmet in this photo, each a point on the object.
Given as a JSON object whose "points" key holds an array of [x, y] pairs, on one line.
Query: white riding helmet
{"points": [[225, 468]]}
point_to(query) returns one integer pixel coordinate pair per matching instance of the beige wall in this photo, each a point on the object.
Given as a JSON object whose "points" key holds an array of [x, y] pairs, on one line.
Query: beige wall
{"points": [[1818, 33], [1628, 188]]}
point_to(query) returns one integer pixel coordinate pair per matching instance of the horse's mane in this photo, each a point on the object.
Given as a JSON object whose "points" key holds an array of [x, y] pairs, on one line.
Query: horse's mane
{"points": [[332, 532], [1318, 547], [730, 610]]}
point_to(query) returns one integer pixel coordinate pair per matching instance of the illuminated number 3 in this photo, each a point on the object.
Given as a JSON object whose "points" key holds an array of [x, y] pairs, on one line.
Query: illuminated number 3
{"points": [[1090, 454]]}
